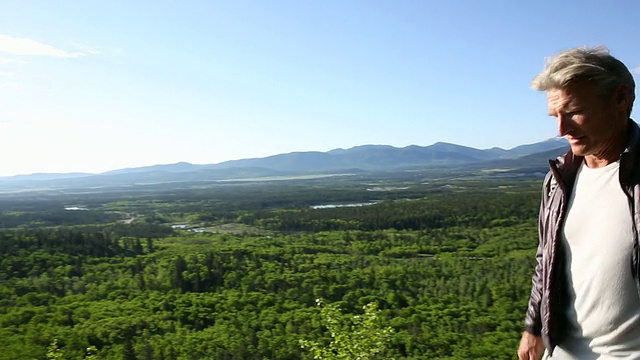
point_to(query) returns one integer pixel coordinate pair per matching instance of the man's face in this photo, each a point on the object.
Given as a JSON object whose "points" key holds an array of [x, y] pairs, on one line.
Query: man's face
{"points": [[590, 123]]}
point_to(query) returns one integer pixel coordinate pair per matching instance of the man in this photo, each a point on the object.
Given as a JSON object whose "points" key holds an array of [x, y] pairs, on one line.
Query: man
{"points": [[585, 299]]}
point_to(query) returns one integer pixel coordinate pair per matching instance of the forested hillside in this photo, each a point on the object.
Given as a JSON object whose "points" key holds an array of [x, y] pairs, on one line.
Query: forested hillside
{"points": [[448, 266]]}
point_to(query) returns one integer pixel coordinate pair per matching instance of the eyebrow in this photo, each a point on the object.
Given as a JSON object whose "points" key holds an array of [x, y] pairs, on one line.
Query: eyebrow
{"points": [[568, 108]]}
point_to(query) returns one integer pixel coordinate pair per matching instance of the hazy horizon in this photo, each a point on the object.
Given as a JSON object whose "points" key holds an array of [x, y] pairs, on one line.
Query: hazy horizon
{"points": [[94, 86], [177, 162]]}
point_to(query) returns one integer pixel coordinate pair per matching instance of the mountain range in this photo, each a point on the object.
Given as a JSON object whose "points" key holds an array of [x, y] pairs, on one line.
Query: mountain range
{"points": [[366, 158]]}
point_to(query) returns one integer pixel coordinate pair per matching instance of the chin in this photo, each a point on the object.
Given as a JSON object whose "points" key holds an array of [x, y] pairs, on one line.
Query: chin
{"points": [[580, 150]]}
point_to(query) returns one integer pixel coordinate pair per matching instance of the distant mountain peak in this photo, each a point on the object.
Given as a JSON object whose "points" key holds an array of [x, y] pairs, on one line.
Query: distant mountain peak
{"points": [[449, 146], [444, 143], [181, 166], [557, 138]]}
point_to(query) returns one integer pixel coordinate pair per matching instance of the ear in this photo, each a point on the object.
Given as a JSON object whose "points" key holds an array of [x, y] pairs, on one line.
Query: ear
{"points": [[622, 98]]}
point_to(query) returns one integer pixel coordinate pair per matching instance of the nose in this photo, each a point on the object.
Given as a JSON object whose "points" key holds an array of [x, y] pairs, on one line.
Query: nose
{"points": [[564, 124]]}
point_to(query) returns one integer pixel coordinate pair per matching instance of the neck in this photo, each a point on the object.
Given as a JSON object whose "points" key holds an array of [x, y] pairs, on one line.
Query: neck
{"points": [[594, 162], [610, 151]]}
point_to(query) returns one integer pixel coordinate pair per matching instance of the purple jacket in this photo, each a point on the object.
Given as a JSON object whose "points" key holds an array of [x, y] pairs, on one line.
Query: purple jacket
{"points": [[548, 301]]}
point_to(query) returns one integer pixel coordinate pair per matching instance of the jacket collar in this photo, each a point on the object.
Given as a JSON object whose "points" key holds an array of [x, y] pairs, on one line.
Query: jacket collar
{"points": [[630, 156], [633, 138]]}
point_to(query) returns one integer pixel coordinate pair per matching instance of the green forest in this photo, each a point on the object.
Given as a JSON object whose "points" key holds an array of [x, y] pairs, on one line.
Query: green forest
{"points": [[236, 271]]}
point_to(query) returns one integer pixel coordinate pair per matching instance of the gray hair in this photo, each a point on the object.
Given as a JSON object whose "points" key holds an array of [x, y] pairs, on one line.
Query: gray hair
{"points": [[594, 65]]}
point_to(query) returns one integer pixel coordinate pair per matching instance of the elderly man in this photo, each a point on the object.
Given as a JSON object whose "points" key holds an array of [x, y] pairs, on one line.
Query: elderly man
{"points": [[585, 299]]}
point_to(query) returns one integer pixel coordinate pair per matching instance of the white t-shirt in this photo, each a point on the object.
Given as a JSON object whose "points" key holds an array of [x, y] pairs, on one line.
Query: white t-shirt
{"points": [[604, 310]]}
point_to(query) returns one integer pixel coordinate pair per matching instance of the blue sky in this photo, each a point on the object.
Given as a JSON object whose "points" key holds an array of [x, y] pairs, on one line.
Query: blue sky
{"points": [[98, 85]]}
